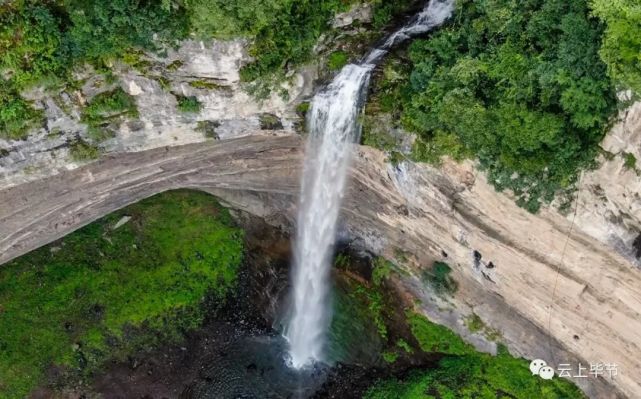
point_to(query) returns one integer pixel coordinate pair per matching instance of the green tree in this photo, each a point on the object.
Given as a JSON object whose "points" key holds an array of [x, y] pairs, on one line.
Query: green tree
{"points": [[621, 48], [519, 85]]}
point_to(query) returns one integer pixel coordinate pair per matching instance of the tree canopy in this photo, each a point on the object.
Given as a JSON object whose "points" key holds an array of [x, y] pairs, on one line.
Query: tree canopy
{"points": [[621, 49], [518, 85]]}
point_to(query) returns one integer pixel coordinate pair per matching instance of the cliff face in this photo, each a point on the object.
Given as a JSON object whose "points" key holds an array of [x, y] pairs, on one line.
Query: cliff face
{"points": [[609, 197], [551, 292], [208, 71]]}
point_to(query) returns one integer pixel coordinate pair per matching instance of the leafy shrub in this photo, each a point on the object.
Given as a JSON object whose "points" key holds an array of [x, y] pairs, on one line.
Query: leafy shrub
{"points": [[109, 104], [189, 104], [337, 60], [102, 30], [105, 108], [629, 161], [381, 269], [621, 47], [17, 116], [80, 150]]}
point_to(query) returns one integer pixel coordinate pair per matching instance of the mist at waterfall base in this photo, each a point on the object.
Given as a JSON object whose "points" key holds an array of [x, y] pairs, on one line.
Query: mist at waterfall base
{"points": [[333, 126]]}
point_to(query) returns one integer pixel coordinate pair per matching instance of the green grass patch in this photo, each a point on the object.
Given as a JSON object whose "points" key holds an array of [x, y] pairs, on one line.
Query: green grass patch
{"points": [[435, 338], [337, 60], [353, 332], [102, 293], [203, 84], [475, 376], [466, 374], [189, 104], [302, 108], [382, 268]]}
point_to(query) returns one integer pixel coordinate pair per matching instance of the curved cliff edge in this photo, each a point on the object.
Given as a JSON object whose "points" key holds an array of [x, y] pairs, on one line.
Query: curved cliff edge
{"points": [[588, 299]]}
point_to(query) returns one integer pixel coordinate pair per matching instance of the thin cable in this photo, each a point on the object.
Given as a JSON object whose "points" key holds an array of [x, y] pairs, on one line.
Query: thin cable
{"points": [[558, 267]]}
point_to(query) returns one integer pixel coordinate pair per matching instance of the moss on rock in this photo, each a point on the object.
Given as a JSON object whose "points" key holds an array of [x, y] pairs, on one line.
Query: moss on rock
{"points": [[123, 283]]}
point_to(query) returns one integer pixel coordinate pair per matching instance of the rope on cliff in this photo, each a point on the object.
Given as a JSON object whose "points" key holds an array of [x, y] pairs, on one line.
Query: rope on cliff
{"points": [[561, 263]]}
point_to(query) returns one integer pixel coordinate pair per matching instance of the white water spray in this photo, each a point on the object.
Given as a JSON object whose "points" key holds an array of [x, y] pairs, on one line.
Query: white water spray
{"points": [[333, 128]]}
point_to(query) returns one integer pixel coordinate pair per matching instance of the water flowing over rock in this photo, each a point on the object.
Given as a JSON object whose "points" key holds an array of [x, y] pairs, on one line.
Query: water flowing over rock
{"points": [[334, 127]]}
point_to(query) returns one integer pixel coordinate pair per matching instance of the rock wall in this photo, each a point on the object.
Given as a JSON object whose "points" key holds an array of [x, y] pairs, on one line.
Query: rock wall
{"points": [[207, 70], [549, 290], [609, 197]]}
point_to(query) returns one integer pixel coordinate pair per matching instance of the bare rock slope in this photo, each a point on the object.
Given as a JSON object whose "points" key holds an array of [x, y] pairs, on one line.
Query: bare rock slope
{"points": [[549, 291]]}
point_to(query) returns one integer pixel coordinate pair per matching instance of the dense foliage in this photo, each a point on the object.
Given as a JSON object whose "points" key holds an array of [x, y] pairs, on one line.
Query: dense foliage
{"points": [[621, 49], [102, 291], [519, 86], [16, 114], [467, 374], [41, 41]]}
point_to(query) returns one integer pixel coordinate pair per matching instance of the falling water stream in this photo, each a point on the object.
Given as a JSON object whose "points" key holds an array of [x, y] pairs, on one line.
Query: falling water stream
{"points": [[333, 128]]}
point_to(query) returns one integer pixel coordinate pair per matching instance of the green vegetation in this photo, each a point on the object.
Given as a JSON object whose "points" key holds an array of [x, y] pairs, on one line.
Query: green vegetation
{"points": [[80, 150], [269, 122], [438, 277], [621, 47], [476, 325], [434, 338], [383, 105], [353, 331], [107, 290], [386, 11], [337, 60], [41, 41], [364, 314], [404, 345], [382, 268], [629, 160], [203, 84], [467, 374], [17, 116], [302, 108], [208, 128], [363, 307], [106, 108], [390, 357], [519, 87], [189, 104]]}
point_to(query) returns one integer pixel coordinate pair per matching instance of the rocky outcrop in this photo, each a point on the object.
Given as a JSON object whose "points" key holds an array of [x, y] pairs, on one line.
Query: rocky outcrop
{"points": [[610, 196], [359, 12], [549, 290], [208, 71]]}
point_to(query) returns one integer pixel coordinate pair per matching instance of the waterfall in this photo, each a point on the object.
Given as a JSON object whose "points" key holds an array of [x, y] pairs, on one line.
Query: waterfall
{"points": [[333, 128]]}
